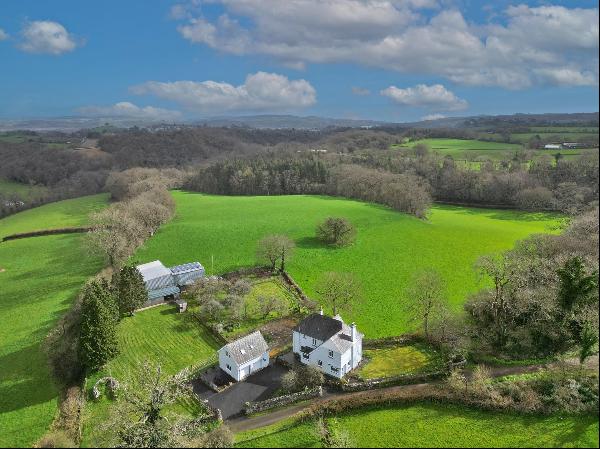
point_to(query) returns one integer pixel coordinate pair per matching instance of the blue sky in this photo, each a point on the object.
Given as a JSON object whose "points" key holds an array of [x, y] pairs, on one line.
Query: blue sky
{"points": [[378, 59]]}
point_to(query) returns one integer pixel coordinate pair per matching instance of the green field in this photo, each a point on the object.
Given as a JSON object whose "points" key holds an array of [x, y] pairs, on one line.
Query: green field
{"points": [[435, 426], [41, 277], [390, 246], [61, 214], [467, 148], [157, 335], [24, 191], [389, 362]]}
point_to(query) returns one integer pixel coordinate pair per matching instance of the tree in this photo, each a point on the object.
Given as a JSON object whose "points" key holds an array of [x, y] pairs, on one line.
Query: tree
{"points": [[575, 285], [98, 342], [336, 231], [338, 290], [427, 296], [275, 249], [302, 377], [587, 342], [129, 289], [272, 303], [142, 418]]}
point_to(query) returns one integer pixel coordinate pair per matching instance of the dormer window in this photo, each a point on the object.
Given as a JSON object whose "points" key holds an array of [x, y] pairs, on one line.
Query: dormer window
{"points": [[243, 351], [330, 354]]}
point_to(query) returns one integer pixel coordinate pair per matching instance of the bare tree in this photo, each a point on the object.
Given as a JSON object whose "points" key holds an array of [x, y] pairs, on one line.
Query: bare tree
{"points": [[338, 290], [275, 249], [427, 297]]}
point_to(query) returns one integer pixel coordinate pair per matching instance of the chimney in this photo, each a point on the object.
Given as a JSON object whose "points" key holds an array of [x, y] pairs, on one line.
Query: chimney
{"points": [[321, 311], [353, 333]]}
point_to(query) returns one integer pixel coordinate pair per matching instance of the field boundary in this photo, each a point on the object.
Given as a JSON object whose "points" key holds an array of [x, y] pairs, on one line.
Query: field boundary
{"points": [[24, 235]]}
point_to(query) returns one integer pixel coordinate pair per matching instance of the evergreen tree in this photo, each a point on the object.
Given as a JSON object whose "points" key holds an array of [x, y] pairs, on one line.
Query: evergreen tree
{"points": [[576, 286], [129, 289], [98, 342]]}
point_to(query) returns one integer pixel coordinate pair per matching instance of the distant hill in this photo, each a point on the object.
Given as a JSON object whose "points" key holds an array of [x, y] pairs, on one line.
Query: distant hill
{"points": [[303, 122]]}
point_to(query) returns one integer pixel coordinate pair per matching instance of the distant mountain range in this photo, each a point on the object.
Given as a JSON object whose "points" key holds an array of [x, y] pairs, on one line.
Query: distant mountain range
{"points": [[299, 122]]}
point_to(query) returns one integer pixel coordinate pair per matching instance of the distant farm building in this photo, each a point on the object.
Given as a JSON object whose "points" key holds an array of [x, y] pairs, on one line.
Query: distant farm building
{"points": [[328, 344], [244, 356], [164, 284], [552, 146]]}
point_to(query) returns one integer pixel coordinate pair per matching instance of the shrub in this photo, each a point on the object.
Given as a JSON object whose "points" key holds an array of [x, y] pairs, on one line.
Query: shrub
{"points": [[300, 378], [336, 232]]}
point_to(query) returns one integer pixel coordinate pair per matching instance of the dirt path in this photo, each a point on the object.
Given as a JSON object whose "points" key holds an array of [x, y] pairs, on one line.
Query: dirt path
{"points": [[245, 423]]}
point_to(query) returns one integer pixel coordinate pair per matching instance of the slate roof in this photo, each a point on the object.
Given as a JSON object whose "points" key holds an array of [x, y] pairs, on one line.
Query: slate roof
{"points": [[319, 326], [247, 348], [186, 268], [153, 270]]}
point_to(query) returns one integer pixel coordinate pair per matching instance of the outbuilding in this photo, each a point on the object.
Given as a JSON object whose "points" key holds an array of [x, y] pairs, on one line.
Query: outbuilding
{"points": [[244, 356], [187, 274], [159, 281]]}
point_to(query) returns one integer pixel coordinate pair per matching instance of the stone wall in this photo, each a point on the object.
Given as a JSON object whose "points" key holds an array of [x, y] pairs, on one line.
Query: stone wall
{"points": [[373, 384], [280, 401]]}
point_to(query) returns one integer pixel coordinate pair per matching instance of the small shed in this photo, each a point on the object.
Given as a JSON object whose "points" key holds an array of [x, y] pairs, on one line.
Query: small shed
{"points": [[159, 282], [181, 305], [187, 273], [244, 356]]}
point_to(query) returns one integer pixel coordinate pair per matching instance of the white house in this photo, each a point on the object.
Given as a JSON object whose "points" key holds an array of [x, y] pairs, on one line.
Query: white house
{"points": [[328, 344], [244, 356]]}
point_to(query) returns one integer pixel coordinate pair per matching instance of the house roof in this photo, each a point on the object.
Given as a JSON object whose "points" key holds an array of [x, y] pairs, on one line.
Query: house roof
{"points": [[319, 326], [187, 268], [153, 270], [247, 348]]}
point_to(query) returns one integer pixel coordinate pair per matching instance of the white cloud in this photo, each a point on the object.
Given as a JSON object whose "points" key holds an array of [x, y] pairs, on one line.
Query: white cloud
{"points": [[127, 109], [260, 91], [432, 117], [529, 45], [3, 35], [360, 91], [435, 97], [48, 37]]}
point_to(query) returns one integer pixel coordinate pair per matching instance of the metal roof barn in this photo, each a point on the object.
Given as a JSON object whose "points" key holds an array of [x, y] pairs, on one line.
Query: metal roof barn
{"points": [[187, 273], [158, 279]]}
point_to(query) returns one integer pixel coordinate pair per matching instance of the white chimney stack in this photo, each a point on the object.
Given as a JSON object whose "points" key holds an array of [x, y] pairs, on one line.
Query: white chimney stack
{"points": [[353, 327], [321, 311]]}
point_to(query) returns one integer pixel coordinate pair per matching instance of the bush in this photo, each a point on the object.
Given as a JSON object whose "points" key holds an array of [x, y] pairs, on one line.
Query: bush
{"points": [[336, 232], [300, 378]]}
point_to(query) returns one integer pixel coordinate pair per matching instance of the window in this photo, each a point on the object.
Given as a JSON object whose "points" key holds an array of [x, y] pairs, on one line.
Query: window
{"points": [[330, 354], [314, 342], [227, 353], [229, 367], [305, 356], [243, 351], [320, 363], [334, 369]]}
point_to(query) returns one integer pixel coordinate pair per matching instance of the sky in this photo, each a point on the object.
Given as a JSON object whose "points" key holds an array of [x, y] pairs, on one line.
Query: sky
{"points": [[394, 60]]}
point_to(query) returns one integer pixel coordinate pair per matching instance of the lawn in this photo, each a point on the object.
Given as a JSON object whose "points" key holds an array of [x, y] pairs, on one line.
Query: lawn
{"points": [[434, 426], [41, 277], [389, 362], [222, 232], [159, 335], [61, 214]]}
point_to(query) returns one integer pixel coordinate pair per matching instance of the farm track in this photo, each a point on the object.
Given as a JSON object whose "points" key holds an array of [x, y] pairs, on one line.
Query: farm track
{"points": [[243, 424]]}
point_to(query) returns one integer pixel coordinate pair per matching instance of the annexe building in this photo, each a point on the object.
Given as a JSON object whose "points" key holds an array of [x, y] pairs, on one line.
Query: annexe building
{"points": [[244, 356], [328, 344]]}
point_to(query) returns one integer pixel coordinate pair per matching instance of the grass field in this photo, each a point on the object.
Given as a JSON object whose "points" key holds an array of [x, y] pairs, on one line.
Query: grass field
{"points": [[41, 277], [157, 335], [390, 362], [435, 426], [16, 188], [390, 246], [467, 149], [61, 214]]}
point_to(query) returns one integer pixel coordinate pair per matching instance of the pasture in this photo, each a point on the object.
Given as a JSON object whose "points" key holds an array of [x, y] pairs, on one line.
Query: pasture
{"points": [[39, 278], [389, 362], [159, 335], [434, 426], [467, 149], [24, 191], [222, 233]]}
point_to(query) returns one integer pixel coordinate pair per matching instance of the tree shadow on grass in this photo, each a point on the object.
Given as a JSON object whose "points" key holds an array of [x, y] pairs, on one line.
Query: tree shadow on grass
{"points": [[312, 243]]}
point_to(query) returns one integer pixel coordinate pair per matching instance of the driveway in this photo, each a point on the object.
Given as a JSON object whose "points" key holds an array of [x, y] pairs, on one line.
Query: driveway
{"points": [[257, 387]]}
